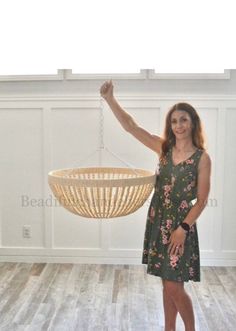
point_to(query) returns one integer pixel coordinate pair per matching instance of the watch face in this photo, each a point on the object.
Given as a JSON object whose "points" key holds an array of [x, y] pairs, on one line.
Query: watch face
{"points": [[185, 226]]}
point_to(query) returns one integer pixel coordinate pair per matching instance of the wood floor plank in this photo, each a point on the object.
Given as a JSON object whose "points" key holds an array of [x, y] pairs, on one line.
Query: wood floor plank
{"points": [[85, 299], [13, 294], [153, 289], [53, 297], [65, 315], [6, 274], [213, 315], [225, 306], [210, 276], [200, 318], [30, 307], [37, 269], [227, 277], [232, 271], [19, 277], [122, 316]]}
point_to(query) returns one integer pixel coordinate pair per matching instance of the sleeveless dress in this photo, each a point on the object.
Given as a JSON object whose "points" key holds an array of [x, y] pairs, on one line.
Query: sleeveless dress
{"points": [[175, 188]]}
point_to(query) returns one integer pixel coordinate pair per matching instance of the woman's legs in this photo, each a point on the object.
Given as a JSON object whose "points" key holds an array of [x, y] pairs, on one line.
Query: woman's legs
{"points": [[175, 295]]}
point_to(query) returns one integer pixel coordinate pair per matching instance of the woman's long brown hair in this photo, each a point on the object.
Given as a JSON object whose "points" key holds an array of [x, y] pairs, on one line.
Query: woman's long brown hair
{"points": [[197, 133]]}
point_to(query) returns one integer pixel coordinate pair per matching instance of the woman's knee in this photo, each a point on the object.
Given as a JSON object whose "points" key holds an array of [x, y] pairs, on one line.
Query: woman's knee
{"points": [[172, 288]]}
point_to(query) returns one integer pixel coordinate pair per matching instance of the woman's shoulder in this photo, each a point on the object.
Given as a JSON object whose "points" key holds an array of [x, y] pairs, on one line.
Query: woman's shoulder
{"points": [[205, 159], [204, 153]]}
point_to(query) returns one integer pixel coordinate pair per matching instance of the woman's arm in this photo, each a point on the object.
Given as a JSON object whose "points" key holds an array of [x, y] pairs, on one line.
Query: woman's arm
{"points": [[152, 141], [177, 237], [203, 189]]}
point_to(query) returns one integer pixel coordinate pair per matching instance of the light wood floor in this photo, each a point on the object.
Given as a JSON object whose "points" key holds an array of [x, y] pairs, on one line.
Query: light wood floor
{"points": [[66, 297]]}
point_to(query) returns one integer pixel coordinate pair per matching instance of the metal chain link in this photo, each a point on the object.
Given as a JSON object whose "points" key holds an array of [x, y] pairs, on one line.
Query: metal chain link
{"points": [[101, 123], [101, 142], [101, 136]]}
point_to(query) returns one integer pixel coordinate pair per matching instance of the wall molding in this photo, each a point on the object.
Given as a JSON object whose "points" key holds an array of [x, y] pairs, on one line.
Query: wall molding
{"points": [[121, 98], [23, 78], [144, 74]]}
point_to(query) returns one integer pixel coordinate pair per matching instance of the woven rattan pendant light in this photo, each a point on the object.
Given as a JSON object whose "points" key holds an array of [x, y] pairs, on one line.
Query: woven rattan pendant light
{"points": [[102, 192]]}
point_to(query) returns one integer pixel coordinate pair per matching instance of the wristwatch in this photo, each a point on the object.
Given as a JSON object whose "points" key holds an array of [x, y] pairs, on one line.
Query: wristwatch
{"points": [[185, 226]]}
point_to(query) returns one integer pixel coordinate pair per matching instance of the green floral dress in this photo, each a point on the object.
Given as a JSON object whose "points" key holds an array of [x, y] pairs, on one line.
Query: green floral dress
{"points": [[175, 188]]}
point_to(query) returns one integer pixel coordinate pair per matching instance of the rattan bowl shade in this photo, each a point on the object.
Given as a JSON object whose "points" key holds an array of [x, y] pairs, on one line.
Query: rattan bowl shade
{"points": [[101, 192]]}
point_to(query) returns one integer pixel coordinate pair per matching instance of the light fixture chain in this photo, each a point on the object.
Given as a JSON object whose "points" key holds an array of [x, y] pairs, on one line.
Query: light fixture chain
{"points": [[101, 129]]}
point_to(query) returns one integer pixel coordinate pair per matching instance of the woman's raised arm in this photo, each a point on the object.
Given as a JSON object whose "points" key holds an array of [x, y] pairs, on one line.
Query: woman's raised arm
{"points": [[152, 141]]}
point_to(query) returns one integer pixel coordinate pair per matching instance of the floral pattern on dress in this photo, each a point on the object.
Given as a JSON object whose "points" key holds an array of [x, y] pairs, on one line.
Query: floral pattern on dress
{"points": [[175, 188]]}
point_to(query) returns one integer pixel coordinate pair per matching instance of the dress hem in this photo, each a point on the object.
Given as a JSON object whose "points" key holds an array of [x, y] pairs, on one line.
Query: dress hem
{"points": [[171, 279]]}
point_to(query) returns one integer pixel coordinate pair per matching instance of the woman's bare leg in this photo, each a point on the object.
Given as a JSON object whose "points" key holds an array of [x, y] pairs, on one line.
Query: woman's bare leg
{"points": [[170, 310], [181, 301]]}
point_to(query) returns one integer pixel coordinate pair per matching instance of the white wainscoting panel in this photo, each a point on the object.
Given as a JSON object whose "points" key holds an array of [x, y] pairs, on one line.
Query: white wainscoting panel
{"points": [[206, 221], [229, 202], [21, 175], [75, 134]]}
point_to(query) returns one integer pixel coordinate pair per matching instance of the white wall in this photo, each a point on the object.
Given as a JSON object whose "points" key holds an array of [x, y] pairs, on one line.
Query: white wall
{"points": [[52, 122]]}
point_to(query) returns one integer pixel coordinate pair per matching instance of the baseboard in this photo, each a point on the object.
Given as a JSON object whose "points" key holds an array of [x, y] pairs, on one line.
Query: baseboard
{"points": [[134, 257]]}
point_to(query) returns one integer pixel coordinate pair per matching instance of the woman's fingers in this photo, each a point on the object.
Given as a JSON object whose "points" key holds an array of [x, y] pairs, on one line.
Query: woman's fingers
{"points": [[181, 250], [171, 248], [175, 249], [106, 88]]}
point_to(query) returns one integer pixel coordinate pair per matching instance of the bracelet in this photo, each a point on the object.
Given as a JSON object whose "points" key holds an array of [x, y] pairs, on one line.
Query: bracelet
{"points": [[185, 226]]}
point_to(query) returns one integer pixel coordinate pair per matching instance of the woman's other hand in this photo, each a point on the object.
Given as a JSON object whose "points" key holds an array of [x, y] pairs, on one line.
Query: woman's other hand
{"points": [[176, 242]]}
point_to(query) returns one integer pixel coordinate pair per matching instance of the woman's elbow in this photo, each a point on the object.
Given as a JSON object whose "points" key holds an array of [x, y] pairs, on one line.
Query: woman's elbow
{"points": [[201, 203]]}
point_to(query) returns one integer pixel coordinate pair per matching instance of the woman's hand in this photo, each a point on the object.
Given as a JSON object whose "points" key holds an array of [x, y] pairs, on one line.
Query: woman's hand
{"points": [[106, 90], [176, 242]]}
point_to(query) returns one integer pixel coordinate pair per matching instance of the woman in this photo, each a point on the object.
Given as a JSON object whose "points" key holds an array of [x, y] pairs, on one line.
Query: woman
{"points": [[171, 248]]}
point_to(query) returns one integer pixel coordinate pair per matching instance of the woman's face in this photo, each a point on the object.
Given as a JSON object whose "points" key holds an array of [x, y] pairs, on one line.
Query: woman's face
{"points": [[181, 124]]}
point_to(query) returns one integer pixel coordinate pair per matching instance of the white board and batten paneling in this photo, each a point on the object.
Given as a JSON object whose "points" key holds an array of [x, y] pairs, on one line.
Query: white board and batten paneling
{"points": [[47, 125]]}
